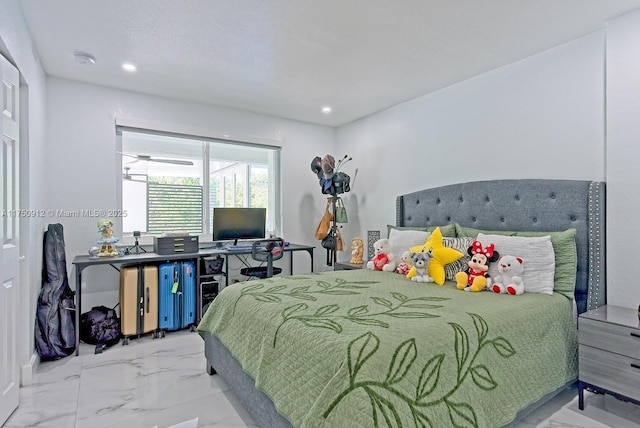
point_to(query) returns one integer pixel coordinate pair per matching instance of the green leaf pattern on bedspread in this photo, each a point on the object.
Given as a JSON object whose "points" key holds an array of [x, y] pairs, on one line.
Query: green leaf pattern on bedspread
{"points": [[329, 316], [372, 349], [384, 411]]}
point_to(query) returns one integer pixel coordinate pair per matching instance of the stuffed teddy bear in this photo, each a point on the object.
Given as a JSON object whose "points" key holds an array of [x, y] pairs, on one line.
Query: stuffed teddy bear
{"points": [[510, 279], [383, 257], [405, 263], [476, 277], [419, 272]]}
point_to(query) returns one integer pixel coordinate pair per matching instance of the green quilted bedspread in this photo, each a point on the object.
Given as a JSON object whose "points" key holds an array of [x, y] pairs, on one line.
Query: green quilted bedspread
{"points": [[372, 349]]}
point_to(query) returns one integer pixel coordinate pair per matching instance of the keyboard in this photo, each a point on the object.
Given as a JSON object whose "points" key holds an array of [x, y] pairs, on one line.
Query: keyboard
{"points": [[245, 247], [238, 248]]}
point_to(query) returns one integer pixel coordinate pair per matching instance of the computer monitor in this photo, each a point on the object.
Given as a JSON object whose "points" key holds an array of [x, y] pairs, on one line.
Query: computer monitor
{"points": [[238, 223]]}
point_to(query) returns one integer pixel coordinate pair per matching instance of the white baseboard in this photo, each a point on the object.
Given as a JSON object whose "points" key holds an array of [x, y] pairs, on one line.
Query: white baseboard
{"points": [[26, 370]]}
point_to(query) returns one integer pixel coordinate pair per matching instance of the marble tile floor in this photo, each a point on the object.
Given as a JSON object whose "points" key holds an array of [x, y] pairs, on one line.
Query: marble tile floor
{"points": [[162, 383], [148, 383]]}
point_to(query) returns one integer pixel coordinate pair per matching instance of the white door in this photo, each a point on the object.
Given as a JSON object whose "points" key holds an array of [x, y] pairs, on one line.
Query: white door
{"points": [[9, 257]]}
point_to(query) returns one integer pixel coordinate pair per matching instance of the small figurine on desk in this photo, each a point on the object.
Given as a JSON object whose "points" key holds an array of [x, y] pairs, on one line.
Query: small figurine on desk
{"points": [[107, 240], [357, 250], [93, 252]]}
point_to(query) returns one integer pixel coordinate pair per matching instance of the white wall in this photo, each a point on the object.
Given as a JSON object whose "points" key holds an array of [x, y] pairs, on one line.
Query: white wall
{"points": [[623, 156], [543, 117], [16, 45], [82, 174]]}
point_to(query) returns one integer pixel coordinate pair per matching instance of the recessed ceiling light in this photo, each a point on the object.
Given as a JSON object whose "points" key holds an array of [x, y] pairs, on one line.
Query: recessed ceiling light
{"points": [[84, 58], [326, 109], [129, 67]]}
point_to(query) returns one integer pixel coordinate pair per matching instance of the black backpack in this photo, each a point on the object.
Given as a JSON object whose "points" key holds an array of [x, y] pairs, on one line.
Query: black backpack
{"points": [[101, 327]]}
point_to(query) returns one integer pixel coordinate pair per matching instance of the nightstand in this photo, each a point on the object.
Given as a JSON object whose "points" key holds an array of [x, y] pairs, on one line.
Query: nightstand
{"points": [[347, 266], [609, 353]]}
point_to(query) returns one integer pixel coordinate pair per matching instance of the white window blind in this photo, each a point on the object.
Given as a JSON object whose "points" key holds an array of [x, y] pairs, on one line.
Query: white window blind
{"points": [[174, 207]]}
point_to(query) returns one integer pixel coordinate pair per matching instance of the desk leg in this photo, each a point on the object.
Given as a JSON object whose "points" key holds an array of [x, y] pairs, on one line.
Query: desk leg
{"points": [[198, 292], [290, 262], [226, 271], [78, 306], [310, 251]]}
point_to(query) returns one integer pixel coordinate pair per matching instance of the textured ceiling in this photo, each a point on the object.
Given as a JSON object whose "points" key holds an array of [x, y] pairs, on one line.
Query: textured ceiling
{"points": [[288, 58]]}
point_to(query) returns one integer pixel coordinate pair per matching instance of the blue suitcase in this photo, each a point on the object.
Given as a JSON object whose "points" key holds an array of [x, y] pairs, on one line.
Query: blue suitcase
{"points": [[166, 278], [177, 296], [188, 307]]}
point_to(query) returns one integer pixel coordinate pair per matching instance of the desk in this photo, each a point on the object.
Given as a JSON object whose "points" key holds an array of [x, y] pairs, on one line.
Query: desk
{"points": [[291, 248], [83, 262]]}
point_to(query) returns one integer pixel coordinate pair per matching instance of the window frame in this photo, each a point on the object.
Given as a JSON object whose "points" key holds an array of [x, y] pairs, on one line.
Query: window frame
{"points": [[275, 174]]}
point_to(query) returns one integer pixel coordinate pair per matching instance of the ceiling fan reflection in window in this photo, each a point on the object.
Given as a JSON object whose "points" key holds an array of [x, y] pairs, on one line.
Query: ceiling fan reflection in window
{"points": [[133, 177], [151, 159]]}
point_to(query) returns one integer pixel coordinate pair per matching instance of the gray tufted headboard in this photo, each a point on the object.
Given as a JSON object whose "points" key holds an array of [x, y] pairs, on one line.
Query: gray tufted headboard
{"points": [[523, 205]]}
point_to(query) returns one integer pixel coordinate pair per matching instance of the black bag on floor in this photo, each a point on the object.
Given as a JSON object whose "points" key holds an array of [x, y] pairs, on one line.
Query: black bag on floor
{"points": [[101, 327], [55, 329]]}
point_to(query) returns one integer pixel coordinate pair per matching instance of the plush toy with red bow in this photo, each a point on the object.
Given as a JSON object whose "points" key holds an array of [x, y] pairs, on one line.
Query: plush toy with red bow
{"points": [[510, 278], [383, 259], [476, 277], [405, 264]]}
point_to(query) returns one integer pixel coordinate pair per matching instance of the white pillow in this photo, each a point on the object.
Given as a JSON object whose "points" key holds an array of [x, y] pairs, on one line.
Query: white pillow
{"points": [[402, 240], [537, 255]]}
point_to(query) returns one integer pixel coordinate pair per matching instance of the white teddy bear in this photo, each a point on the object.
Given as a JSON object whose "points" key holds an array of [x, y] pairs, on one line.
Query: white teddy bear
{"points": [[510, 279], [383, 259]]}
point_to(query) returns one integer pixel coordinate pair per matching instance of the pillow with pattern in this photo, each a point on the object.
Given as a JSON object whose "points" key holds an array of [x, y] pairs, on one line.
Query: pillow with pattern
{"points": [[462, 245]]}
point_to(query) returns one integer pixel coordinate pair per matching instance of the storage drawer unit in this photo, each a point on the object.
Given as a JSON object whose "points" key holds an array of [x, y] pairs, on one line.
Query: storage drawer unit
{"points": [[175, 245], [609, 352]]}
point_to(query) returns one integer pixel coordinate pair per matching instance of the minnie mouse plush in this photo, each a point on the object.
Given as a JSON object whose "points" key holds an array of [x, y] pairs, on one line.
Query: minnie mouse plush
{"points": [[476, 276]]}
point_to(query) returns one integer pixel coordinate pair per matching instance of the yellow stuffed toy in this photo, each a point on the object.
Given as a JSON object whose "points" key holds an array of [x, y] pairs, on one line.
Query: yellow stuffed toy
{"points": [[441, 255]]}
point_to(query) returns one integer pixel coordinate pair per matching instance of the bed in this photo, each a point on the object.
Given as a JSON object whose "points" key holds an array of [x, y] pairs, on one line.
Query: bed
{"points": [[364, 348]]}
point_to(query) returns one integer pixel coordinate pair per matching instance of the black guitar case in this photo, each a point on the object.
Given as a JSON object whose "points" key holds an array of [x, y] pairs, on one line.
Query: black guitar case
{"points": [[55, 333]]}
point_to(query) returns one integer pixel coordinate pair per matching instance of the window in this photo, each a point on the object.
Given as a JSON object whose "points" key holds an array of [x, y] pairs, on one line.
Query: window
{"points": [[170, 183]]}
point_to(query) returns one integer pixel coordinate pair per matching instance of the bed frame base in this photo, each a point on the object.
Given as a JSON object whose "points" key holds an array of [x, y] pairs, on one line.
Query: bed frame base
{"points": [[257, 403]]}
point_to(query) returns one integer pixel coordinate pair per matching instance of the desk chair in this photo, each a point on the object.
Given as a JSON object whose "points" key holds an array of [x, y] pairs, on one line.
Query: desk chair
{"points": [[265, 250]]}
